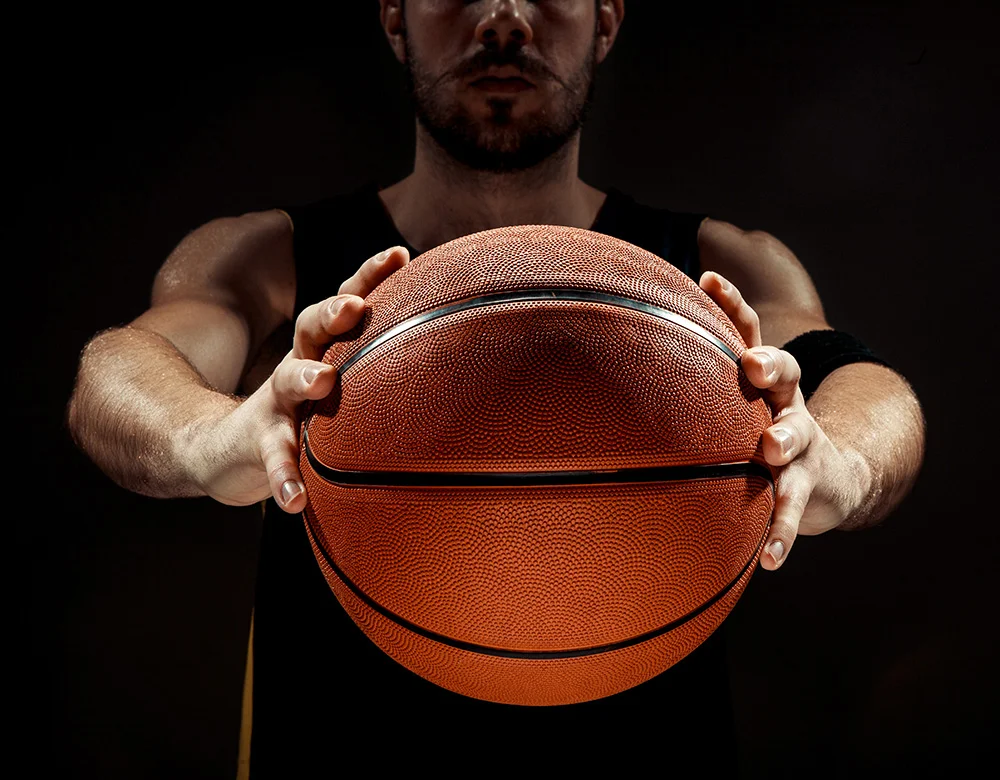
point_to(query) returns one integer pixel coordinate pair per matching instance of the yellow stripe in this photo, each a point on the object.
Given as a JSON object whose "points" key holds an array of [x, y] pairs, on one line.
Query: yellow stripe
{"points": [[246, 718]]}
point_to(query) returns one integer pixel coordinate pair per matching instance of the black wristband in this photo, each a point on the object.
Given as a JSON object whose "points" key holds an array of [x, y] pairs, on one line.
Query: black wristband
{"points": [[819, 352]]}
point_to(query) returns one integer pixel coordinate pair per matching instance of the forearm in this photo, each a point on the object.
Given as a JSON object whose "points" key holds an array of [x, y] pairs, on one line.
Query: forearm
{"points": [[872, 416], [136, 403]]}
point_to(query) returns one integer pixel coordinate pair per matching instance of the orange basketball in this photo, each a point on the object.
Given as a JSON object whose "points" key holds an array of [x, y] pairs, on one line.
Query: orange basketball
{"points": [[538, 479]]}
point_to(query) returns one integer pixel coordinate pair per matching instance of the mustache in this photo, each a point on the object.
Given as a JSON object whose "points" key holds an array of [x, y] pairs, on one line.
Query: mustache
{"points": [[512, 55]]}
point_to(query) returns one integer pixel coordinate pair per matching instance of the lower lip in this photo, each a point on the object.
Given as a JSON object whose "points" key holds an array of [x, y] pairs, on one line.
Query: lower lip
{"points": [[502, 85]]}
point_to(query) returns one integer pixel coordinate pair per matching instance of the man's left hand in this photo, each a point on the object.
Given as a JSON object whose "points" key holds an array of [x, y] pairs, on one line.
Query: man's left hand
{"points": [[817, 486]]}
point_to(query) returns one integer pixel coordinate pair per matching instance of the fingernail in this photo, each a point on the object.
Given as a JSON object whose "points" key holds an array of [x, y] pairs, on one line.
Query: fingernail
{"points": [[290, 490], [784, 438], [726, 286], [336, 305], [766, 362], [776, 550], [309, 373]]}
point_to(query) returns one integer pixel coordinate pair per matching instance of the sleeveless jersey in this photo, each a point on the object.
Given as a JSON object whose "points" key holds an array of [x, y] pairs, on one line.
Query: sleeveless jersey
{"points": [[325, 696]]}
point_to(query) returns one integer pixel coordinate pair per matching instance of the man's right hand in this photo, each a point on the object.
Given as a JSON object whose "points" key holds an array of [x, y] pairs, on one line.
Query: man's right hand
{"points": [[252, 452]]}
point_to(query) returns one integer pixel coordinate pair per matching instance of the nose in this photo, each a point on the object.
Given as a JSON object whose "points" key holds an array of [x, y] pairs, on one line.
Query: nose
{"points": [[504, 23]]}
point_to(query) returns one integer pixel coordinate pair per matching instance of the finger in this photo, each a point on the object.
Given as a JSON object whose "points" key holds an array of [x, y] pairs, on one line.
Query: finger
{"points": [[316, 326], [375, 270], [793, 488], [724, 293], [295, 381], [776, 371], [788, 438], [279, 452]]}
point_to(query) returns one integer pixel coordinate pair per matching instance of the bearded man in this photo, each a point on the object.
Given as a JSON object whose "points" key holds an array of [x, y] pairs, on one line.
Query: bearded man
{"points": [[500, 92]]}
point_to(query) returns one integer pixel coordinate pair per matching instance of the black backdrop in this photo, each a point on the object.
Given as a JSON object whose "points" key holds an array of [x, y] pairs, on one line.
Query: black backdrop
{"points": [[862, 135]]}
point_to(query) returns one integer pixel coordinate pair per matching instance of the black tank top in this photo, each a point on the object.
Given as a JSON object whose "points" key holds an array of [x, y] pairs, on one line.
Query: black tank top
{"points": [[325, 697]]}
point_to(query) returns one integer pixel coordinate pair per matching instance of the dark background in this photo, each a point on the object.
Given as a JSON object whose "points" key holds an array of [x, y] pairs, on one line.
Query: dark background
{"points": [[863, 135]]}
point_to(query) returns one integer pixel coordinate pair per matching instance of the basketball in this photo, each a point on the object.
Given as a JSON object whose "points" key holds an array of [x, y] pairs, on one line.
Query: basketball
{"points": [[538, 478]]}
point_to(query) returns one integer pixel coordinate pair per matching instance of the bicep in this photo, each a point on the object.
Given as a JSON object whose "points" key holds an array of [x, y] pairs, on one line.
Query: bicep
{"points": [[225, 288], [214, 338], [769, 277]]}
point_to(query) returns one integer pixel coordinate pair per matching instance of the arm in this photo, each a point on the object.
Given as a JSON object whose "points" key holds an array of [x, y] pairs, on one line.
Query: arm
{"points": [[856, 448], [142, 389], [153, 404]]}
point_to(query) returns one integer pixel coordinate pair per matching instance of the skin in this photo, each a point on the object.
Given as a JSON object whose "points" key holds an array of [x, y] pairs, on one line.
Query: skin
{"points": [[200, 394]]}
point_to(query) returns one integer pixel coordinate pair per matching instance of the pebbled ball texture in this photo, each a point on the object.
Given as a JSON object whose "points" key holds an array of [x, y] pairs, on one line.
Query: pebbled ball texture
{"points": [[546, 593]]}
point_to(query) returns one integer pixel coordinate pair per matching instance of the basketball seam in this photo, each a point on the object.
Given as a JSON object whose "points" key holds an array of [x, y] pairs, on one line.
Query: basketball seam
{"points": [[679, 473], [525, 654], [541, 294]]}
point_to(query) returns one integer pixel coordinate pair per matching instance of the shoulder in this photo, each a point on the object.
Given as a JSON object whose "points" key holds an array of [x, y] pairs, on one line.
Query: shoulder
{"points": [[768, 275], [220, 250], [243, 263], [671, 235], [758, 263], [725, 240]]}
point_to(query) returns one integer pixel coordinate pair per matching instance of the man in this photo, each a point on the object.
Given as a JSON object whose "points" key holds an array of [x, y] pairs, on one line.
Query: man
{"points": [[500, 89]]}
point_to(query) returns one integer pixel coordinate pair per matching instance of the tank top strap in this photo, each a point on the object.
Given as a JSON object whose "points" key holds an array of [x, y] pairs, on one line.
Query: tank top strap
{"points": [[672, 235], [333, 236]]}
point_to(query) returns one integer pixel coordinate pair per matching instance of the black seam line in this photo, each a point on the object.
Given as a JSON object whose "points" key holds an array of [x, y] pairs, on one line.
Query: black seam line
{"points": [[542, 294], [533, 654], [500, 479]]}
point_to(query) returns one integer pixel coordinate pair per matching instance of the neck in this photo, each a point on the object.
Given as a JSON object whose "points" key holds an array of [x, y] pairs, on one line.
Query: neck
{"points": [[443, 199]]}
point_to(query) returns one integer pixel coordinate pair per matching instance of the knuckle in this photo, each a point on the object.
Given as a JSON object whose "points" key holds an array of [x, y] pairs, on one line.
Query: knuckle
{"points": [[367, 272], [287, 381], [277, 444], [303, 323], [790, 423], [783, 527], [790, 365], [793, 482], [797, 494], [786, 515], [270, 455], [273, 383], [284, 372], [279, 472], [299, 345], [331, 308], [765, 353], [309, 371], [305, 376], [377, 261], [799, 501], [281, 476], [803, 421]]}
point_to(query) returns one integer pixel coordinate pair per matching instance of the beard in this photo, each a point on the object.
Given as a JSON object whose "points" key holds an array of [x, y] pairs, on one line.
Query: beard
{"points": [[500, 143]]}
